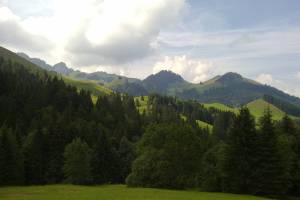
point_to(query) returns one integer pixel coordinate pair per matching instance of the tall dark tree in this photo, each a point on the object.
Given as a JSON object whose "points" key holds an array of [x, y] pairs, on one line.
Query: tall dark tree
{"points": [[290, 150], [240, 163], [221, 125], [35, 158], [105, 161], [11, 160], [77, 166], [127, 156], [272, 178]]}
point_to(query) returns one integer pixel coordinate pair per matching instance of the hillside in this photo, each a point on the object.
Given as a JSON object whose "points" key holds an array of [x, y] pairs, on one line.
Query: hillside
{"points": [[32, 67], [220, 106], [258, 107], [230, 89]]}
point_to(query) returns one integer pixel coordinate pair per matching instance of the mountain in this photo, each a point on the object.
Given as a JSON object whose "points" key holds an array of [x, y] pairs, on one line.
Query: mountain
{"points": [[231, 89], [163, 81], [62, 68], [36, 61], [40, 67], [113, 81], [234, 90]]}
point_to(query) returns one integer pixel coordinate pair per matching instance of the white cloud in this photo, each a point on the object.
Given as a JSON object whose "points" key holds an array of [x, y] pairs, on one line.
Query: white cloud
{"points": [[122, 31], [98, 32], [14, 34], [277, 82], [298, 75], [192, 70], [265, 79]]}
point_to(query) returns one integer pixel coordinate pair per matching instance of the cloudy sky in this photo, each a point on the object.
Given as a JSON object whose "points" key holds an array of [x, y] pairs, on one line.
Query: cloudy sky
{"points": [[198, 39]]}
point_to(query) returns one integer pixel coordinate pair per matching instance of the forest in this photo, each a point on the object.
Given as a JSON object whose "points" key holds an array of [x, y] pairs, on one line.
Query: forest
{"points": [[51, 132]]}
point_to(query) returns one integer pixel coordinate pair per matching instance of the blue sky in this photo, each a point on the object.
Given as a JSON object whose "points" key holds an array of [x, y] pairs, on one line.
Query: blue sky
{"points": [[198, 39]]}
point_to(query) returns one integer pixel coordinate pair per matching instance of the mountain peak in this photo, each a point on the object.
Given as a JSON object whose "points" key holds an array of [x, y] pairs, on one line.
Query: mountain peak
{"points": [[169, 75], [162, 80], [62, 68], [230, 77]]}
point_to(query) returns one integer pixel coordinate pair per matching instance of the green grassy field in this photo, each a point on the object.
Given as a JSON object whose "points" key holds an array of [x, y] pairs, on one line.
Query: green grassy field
{"points": [[221, 107], [91, 86], [142, 103], [258, 107], [110, 192], [204, 125]]}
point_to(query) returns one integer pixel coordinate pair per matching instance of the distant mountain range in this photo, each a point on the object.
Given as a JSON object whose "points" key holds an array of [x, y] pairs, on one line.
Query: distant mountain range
{"points": [[230, 89]]}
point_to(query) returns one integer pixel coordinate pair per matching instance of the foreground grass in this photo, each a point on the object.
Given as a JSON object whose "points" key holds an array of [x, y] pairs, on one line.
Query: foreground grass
{"points": [[110, 192]]}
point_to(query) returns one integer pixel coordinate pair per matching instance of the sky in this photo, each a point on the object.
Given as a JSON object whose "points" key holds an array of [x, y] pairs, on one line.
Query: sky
{"points": [[197, 39]]}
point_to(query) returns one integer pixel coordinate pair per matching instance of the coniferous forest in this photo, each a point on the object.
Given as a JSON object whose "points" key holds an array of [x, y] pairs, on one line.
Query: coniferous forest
{"points": [[51, 132]]}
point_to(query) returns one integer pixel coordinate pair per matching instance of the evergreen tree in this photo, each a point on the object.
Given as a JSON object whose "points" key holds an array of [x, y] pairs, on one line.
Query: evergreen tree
{"points": [[271, 172], [35, 158], [290, 150], [127, 156], [105, 161], [77, 166], [241, 154], [11, 160], [222, 124], [212, 175]]}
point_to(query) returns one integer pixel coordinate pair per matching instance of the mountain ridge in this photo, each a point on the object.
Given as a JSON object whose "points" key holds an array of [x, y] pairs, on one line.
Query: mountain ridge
{"points": [[230, 88]]}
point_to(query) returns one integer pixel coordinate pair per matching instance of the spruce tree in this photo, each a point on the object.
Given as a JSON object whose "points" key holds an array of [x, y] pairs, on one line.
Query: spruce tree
{"points": [[11, 160], [271, 174], [105, 161], [240, 157], [35, 158], [77, 166]]}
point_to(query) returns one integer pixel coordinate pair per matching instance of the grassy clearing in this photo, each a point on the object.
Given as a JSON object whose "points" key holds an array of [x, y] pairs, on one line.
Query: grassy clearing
{"points": [[221, 107], [205, 125], [91, 86], [143, 104], [258, 107], [110, 192]]}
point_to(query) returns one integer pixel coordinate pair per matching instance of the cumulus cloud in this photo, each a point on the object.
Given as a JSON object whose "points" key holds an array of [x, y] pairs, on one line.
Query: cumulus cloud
{"points": [[122, 31], [277, 82], [92, 32], [13, 33], [265, 79], [192, 70]]}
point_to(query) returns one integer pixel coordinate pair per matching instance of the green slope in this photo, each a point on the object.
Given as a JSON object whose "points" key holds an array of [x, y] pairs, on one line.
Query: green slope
{"points": [[91, 86], [143, 104], [204, 125], [221, 107], [258, 107], [9, 55], [110, 192]]}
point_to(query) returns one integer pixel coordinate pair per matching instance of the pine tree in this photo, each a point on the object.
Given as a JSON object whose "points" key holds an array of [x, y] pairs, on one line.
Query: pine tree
{"points": [[271, 173], [77, 166], [127, 155], [11, 160], [35, 158], [105, 161], [240, 155], [290, 149]]}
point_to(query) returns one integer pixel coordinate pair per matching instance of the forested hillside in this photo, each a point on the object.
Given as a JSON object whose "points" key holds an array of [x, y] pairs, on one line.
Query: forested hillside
{"points": [[52, 132]]}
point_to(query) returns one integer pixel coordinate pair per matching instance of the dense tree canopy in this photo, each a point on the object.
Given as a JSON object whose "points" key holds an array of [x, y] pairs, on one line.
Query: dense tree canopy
{"points": [[51, 132]]}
